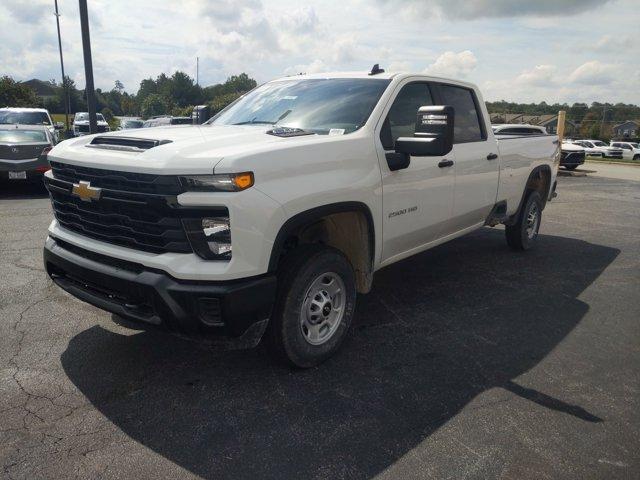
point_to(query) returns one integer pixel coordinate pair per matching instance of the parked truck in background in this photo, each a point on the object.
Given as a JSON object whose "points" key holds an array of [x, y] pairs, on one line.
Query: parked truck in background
{"points": [[268, 219]]}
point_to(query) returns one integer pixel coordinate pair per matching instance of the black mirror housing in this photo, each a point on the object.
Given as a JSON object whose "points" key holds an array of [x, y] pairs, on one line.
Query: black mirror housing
{"points": [[433, 135]]}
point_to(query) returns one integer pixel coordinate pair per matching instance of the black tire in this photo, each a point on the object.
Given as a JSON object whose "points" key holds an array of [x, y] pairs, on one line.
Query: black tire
{"points": [[519, 237], [571, 167], [636, 157], [286, 336]]}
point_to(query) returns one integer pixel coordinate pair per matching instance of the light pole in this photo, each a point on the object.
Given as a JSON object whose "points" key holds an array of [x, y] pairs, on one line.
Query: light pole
{"points": [[65, 89], [88, 66]]}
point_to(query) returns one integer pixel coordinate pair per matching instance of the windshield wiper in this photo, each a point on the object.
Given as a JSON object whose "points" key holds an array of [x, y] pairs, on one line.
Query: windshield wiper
{"points": [[264, 122], [256, 122]]}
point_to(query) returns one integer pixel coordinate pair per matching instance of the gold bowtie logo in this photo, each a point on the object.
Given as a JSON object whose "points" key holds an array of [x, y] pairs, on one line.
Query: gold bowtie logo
{"points": [[86, 192]]}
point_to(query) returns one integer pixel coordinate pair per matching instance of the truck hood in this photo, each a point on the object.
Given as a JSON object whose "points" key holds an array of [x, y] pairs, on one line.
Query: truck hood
{"points": [[190, 149]]}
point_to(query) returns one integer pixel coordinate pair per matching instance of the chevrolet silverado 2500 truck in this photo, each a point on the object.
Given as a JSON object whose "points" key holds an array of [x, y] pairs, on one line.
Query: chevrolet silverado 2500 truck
{"points": [[268, 219]]}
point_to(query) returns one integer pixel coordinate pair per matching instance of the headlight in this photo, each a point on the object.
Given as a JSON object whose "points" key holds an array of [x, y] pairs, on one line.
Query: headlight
{"points": [[217, 233], [210, 237], [227, 182]]}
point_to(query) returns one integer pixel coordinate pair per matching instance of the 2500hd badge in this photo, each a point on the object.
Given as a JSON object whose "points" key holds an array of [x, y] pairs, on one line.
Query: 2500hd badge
{"points": [[403, 211]]}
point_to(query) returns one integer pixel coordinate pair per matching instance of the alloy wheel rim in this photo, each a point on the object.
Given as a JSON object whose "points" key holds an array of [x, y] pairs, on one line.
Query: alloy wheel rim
{"points": [[533, 219], [323, 308]]}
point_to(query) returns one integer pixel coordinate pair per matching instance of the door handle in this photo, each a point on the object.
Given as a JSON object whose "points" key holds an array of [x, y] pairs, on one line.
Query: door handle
{"points": [[445, 163], [492, 156]]}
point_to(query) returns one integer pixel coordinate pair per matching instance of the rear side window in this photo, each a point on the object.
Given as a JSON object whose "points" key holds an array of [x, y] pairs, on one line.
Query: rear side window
{"points": [[401, 119], [467, 122]]}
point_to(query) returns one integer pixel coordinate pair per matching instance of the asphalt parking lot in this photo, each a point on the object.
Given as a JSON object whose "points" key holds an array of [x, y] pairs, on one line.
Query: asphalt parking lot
{"points": [[467, 361]]}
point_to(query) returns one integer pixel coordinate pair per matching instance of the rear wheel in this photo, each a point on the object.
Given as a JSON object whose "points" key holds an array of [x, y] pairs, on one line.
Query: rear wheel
{"points": [[523, 234], [314, 308]]}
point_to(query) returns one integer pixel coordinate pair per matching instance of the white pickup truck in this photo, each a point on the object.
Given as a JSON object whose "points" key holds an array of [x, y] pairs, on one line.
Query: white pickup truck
{"points": [[269, 218]]}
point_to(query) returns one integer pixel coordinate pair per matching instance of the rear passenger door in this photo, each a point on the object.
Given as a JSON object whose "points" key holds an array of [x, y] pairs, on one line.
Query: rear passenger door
{"points": [[476, 159]]}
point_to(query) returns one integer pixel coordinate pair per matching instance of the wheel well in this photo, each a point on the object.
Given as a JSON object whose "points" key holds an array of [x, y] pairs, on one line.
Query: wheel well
{"points": [[346, 227], [539, 181]]}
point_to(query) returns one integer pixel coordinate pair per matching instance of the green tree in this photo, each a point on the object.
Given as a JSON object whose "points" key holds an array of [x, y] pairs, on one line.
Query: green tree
{"points": [[154, 104], [15, 94], [218, 103]]}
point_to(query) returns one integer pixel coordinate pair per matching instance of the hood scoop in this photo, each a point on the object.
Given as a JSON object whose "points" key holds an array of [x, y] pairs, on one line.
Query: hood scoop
{"points": [[127, 144]]}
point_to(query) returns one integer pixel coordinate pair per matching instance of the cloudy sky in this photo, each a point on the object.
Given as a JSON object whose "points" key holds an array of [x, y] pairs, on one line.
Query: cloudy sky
{"points": [[519, 50]]}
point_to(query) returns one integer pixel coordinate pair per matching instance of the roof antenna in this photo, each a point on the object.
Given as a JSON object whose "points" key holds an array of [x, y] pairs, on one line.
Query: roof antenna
{"points": [[376, 70]]}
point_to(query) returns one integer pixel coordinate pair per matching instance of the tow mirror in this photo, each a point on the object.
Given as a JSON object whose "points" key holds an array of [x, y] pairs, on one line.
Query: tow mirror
{"points": [[433, 135]]}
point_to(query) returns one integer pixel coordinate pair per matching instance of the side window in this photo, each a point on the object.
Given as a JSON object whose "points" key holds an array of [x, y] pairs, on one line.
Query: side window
{"points": [[467, 123], [401, 119]]}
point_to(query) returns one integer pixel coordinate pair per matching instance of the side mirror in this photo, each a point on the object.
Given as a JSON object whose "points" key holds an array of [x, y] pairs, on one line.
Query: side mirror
{"points": [[58, 125], [433, 135]]}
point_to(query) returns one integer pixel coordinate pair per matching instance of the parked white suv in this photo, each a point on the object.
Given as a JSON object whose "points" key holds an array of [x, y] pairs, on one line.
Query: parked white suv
{"points": [[81, 124], [30, 116], [630, 150], [597, 148], [271, 216]]}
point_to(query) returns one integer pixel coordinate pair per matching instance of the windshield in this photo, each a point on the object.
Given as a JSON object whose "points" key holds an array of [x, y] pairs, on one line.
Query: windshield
{"points": [[600, 144], [634, 145], [319, 105], [23, 136], [84, 116], [24, 118], [132, 123]]}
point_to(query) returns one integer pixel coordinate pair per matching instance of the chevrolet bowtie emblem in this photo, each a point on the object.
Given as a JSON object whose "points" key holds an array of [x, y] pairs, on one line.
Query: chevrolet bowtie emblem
{"points": [[86, 192]]}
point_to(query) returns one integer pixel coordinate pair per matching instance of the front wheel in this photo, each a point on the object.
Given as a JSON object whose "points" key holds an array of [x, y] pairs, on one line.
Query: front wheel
{"points": [[314, 308], [571, 167], [523, 234], [636, 157]]}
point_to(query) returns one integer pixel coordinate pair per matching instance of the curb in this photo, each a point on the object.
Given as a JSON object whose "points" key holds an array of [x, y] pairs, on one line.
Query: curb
{"points": [[614, 163]]}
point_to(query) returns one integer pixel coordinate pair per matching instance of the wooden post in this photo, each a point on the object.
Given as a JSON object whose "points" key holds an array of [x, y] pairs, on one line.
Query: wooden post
{"points": [[561, 117]]}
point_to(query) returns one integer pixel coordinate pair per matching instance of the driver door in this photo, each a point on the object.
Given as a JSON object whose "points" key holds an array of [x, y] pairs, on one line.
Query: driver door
{"points": [[418, 200]]}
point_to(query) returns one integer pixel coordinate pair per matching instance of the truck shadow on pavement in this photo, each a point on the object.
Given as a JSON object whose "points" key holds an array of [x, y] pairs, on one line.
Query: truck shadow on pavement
{"points": [[437, 330]]}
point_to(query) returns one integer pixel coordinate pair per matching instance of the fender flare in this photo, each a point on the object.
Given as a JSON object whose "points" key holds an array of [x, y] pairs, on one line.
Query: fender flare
{"points": [[309, 216], [534, 172]]}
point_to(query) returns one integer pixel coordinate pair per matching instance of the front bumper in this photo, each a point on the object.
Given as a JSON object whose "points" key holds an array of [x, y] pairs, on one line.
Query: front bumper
{"points": [[238, 309]]}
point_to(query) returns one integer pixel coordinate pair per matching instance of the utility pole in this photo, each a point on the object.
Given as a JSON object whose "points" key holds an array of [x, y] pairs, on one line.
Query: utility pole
{"points": [[65, 90], [88, 66], [197, 69], [604, 109]]}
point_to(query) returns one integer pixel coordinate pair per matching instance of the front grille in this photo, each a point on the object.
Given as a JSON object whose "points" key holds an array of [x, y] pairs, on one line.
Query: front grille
{"points": [[135, 225], [123, 181], [573, 157]]}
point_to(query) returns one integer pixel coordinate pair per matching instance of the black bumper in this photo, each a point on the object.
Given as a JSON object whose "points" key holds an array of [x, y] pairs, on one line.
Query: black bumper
{"points": [[130, 290]]}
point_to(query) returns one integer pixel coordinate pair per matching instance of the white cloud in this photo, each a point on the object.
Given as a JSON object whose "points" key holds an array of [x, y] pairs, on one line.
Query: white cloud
{"points": [[539, 76], [316, 66], [302, 21], [613, 43], [451, 64], [264, 38], [594, 73]]}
